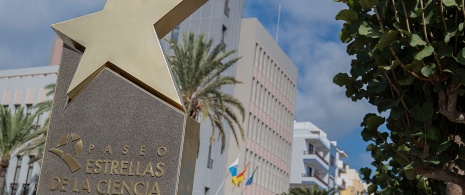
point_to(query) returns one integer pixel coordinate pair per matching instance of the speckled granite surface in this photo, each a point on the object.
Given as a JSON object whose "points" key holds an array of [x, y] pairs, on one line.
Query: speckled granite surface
{"points": [[132, 142]]}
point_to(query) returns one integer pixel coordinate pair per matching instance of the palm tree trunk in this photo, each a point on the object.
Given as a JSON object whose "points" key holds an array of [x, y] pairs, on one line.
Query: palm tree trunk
{"points": [[3, 168], [453, 189]]}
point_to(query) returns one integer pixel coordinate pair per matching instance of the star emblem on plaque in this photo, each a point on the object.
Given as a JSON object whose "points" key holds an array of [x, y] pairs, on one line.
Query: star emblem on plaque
{"points": [[115, 91], [124, 36]]}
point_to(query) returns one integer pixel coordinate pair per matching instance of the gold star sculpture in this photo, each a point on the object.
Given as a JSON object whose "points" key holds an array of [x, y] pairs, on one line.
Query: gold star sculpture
{"points": [[124, 36]]}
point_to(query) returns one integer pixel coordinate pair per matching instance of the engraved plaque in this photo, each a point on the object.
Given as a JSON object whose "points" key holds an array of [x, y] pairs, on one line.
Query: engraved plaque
{"points": [[115, 138]]}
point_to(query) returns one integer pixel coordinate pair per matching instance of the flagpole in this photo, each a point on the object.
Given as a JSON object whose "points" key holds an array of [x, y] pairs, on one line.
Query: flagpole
{"points": [[222, 183], [279, 21]]}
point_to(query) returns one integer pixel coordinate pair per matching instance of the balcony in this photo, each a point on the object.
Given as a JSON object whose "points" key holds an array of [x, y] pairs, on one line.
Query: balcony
{"points": [[341, 183], [314, 178], [317, 154], [342, 166]]}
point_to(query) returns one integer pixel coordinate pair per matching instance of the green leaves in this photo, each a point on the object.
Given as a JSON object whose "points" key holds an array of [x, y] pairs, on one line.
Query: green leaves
{"points": [[428, 70], [449, 3], [347, 15], [461, 57], [424, 112], [427, 51], [386, 39], [373, 122], [415, 40], [410, 172], [369, 30], [341, 79]]}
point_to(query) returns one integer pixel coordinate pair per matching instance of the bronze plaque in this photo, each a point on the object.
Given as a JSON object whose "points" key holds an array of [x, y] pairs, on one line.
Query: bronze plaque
{"points": [[116, 138]]}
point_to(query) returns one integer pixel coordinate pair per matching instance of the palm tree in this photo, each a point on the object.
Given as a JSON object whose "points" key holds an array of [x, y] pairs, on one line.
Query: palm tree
{"points": [[198, 71], [38, 143], [16, 130], [313, 190]]}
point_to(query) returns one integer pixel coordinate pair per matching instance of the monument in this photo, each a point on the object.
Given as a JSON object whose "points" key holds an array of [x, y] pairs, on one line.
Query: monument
{"points": [[118, 125]]}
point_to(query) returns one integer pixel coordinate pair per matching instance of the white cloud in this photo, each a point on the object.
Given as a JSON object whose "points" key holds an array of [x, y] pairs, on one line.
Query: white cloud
{"points": [[309, 35], [26, 37]]}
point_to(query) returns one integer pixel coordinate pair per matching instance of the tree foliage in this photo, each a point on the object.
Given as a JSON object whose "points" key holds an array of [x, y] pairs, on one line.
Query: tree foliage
{"points": [[409, 63], [198, 68], [312, 190], [16, 130]]}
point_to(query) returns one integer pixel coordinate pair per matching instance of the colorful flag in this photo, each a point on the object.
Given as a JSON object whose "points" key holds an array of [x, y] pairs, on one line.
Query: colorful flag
{"points": [[233, 167], [238, 179], [250, 180]]}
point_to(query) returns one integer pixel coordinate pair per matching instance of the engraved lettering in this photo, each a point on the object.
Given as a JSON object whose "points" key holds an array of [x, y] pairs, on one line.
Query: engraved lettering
{"points": [[123, 167], [114, 167], [125, 149], [131, 173], [75, 187], [106, 165], [98, 186], [137, 169], [98, 168], [136, 191], [116, 186], [155, 189], [142, 150], [107, 150], [86, 186], [129, 189], [63, 184], [55, 184], [89, 167], [160, 169], [149, 169], [91, 147], [161, 151]]}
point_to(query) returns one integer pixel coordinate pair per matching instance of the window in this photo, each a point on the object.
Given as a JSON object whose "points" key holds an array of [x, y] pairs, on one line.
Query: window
{"points": [[29, 171], [18, 168], [223, 36], [331, 160], [309, 171], [28, 109], [226, 8], [175, 34], [310, 148]]}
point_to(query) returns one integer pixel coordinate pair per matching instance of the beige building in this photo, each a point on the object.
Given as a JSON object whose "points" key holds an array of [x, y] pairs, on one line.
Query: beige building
{"points": [[354, 185], [268, 95]]}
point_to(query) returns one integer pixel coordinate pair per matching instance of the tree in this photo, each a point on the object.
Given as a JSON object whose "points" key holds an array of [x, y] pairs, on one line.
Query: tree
{"points": [[313, 190], [38, 143], [16, 130], [409, 63], [198, 71]]}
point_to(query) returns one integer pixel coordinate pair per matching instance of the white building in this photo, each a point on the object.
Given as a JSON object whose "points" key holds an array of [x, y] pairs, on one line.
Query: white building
{"points": [[24, 87], [315, 159]]}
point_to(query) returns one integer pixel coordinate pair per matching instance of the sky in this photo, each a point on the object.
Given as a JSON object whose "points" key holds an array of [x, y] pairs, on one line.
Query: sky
{"points": [[308, 34]]}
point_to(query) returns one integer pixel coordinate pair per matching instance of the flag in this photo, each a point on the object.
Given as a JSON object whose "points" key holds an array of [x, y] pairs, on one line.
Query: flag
{"points": [[233, 167], [250, 180], [238, 179]]}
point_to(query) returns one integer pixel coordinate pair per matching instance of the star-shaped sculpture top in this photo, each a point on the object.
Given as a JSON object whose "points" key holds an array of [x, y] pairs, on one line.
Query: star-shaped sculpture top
{"points": [[124, 36]]}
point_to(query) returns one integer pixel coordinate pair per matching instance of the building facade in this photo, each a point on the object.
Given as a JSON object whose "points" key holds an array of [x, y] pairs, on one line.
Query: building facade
{"points": [[267, 92], [24, 87], [268, 95], [354, 185], [315, 159]]}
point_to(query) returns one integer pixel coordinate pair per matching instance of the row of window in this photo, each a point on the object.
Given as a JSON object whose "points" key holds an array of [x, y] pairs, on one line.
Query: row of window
{"points": [[268, 175], [268, 68], [271, 106], [269, 139]]}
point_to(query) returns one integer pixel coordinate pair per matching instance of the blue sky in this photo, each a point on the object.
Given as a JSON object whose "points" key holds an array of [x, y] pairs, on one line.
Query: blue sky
{"points": [[308, 34]]}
